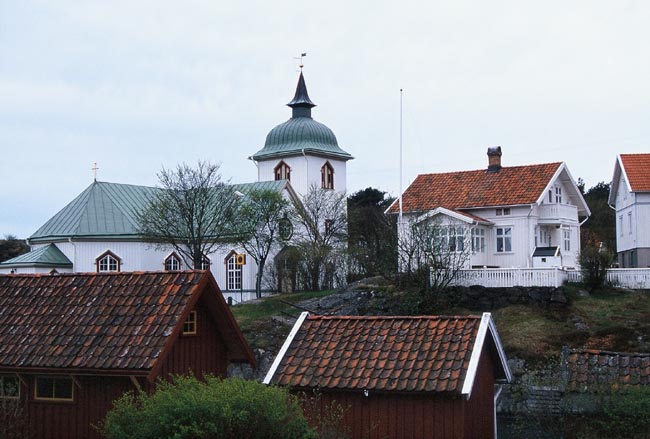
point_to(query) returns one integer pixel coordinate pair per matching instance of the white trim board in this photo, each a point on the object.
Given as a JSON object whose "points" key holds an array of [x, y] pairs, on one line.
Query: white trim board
{"points": [[285, 347]]}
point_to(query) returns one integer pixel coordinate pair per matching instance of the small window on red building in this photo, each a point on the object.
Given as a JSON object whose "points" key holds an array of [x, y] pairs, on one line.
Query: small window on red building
{"points": [[54, 388], [282, 172], [327, 176], [107, 262], [9, 387], [189, 326]]}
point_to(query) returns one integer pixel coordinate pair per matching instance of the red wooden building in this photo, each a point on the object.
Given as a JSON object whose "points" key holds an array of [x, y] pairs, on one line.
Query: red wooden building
{"points": [[399, 377], [72, 343]]}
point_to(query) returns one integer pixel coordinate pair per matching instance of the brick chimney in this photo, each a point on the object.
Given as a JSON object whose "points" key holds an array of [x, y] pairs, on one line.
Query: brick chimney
{"points": [[494, 159]]}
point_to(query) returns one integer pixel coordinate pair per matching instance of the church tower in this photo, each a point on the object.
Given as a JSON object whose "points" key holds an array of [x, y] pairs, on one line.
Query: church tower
{"points": [[303, 151]]}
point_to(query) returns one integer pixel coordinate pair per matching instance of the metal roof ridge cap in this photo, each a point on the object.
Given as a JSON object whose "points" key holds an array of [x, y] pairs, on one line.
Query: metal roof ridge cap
{"points": [[285, 347]]}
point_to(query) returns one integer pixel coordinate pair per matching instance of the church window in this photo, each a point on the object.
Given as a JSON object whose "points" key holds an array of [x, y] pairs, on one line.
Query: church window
{"points": [[205, 263], [233, 272], [108, 262], [327, 176], [282, 172], [172, 263]]}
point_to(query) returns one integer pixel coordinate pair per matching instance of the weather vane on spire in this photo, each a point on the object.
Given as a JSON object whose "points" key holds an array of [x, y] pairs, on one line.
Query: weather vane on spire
{"points": [[302, 55], [95, 169]]}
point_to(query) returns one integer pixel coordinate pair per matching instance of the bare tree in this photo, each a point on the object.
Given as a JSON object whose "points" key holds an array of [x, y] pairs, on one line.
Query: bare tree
{"points": [[192, 210], [262, 216], [321, 232], [436, 247]]}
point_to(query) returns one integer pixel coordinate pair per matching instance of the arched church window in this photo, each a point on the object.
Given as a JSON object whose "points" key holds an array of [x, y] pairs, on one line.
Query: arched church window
{"points": [[233, 272], [327, 176], [205, 263], [172, 262], [282, 171], [107, 262]]}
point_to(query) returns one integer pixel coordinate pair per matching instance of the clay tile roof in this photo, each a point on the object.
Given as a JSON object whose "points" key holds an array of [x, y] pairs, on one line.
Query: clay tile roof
{"points": [[637, 169], [91, 320], [509, 186], [590, 370], [402, 354]]}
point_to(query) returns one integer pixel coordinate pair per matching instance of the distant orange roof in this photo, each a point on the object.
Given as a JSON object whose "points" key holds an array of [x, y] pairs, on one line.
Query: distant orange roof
{"points": [[399, 354], [637, 169], [514, 185]]}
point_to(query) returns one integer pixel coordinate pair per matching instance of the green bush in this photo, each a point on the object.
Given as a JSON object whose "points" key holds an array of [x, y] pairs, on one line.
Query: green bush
{"points": [[187, 408], [594, 264]]}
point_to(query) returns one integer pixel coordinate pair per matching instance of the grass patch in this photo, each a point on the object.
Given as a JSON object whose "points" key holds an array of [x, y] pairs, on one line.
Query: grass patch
{"points": [[248, 314]]}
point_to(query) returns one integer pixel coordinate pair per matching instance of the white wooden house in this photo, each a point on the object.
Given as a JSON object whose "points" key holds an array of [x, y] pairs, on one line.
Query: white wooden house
{"points": [[505, 217], [98, 230], [630, 196]]}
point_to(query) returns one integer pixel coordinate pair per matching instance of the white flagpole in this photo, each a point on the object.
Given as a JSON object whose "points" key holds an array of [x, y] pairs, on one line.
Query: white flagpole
{"points": [[401, 92]]}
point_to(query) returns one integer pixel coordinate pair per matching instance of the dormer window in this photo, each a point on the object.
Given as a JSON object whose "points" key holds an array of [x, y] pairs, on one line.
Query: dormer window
{"points": [[282, 172], [327, 176], [172, 263], [108, 262]]}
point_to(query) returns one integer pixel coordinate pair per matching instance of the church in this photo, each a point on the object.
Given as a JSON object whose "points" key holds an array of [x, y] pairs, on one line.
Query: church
{"points": [[98, 231]]}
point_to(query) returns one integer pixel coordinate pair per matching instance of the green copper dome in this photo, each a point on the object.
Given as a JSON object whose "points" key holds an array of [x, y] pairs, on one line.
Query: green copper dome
{"points": [[301, 134]]}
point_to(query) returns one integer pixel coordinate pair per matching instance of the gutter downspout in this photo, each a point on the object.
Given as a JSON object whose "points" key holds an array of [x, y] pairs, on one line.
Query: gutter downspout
{"points": [[529, 259]]}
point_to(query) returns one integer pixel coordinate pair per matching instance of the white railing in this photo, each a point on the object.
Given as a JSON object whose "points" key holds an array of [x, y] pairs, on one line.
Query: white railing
{"points": [[557, 212], [511, 277], [635, 278]]}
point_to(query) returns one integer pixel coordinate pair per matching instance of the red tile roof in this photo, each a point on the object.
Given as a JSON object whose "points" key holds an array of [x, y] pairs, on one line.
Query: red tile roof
{"points": [[637, 169], [590, 370], [101, 321], [509, 186], [403, 354]]}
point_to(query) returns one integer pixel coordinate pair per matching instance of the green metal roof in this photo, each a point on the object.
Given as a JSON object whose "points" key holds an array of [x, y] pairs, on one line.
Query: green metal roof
{"points": [[301, 134], [109, 210], [46, 256]]}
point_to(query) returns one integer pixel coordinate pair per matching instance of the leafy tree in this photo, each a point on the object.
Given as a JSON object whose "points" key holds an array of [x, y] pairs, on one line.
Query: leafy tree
{"points": [[372, 240], [601, 226], [187, 408], [193, 211], [262, 214], [10, 247], [320, 234]]}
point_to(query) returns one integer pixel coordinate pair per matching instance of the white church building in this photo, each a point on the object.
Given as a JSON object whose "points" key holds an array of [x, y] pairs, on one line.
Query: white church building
{"points": [[98, 230]]}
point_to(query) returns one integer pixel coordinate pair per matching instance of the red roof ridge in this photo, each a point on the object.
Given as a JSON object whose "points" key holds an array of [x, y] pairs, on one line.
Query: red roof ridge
{"points": [[421, 317], [486, 171]]}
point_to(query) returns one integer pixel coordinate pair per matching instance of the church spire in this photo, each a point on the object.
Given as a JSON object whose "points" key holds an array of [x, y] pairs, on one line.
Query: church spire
{"points": [[301, 104]]}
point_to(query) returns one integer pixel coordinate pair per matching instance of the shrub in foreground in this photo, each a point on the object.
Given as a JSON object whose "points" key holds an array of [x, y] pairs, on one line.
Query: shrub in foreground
{"points": [[187, 408]]}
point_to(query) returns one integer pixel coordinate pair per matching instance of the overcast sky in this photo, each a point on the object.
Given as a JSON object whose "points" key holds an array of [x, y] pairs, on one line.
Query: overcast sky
{"points": [[138, 85]]}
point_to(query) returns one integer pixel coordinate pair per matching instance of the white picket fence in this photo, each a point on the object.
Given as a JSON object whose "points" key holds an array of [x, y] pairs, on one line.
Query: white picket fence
{"points": [[511, 277], [635, 278]]}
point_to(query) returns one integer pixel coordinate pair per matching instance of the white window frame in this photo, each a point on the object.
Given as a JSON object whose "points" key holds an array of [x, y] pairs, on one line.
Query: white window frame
{"points": [[620, 225], [172, 263], [629, 223], [108, 262], [558, 194], [566, 234], [504, 235], [478, 240], [233, 273]]}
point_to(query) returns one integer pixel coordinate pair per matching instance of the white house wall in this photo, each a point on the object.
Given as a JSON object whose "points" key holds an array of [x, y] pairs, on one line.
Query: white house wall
{"points": [[138, 256], [302, 177]]}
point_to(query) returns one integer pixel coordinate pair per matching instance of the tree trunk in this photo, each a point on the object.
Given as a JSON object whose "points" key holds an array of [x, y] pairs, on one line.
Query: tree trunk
{"points": [[258, 278]]}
